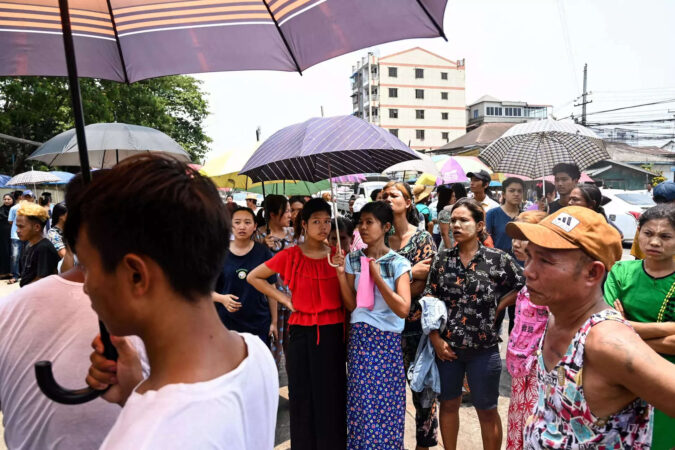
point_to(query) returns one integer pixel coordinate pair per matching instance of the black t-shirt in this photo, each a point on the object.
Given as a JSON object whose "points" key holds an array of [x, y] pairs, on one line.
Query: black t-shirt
{"points": [[254, 314], [554, 206], [40, 261]]}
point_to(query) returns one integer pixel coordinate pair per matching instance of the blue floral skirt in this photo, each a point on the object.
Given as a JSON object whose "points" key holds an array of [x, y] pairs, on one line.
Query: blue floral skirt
{"points": [[375, 389]]}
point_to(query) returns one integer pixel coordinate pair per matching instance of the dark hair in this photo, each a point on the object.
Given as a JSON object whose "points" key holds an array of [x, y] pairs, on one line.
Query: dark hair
{"points": [[380, 210], [47, 194], [353, 197], [296, 199], [274, 204], [245, 209], [230, 207], [58, 211], [132, 208], [477, 213], [510, 180], [17, 195], [592, 196], [570, 169], [373, 195], [9, 194], [444, 197], [343, 225], [260, 217], [313, 206], [43, 201], [412, 216], [550, 187], [660, 211]]}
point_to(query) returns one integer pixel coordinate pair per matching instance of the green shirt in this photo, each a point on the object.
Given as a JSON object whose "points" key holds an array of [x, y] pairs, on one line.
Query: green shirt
{"points": [[641, 295]]}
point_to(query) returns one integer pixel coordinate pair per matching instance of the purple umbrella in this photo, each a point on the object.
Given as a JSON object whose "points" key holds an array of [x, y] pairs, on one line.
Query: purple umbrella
{"points": [[137, 39], [322, 147]]}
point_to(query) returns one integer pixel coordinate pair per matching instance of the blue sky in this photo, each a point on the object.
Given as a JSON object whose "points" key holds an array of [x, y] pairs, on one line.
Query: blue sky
{"points": [[529, 50]]}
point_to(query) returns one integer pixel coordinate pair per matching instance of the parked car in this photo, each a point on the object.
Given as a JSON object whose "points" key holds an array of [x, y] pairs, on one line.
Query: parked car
{"points": [[625, 209], [362, 190]]}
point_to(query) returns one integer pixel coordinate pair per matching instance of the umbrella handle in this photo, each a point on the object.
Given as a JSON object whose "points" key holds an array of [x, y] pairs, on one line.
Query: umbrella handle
{"points": [[54, 391], [330, 262]]}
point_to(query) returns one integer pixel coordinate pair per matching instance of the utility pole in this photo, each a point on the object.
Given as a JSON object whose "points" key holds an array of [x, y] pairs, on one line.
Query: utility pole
{"points": [[584, 95]]}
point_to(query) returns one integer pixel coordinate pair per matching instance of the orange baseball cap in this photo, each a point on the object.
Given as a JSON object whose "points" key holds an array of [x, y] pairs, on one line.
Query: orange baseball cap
{"points": [[573, 227]]}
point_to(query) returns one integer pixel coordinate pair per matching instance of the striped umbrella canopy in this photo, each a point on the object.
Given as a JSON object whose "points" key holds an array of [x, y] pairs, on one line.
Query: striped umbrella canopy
{"points": [[422, 165], [533, 148], [131, 40], [321, 148]]}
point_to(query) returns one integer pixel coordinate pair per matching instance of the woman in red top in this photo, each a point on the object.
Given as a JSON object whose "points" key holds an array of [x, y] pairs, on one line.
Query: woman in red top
{"points": [[316, 350]]}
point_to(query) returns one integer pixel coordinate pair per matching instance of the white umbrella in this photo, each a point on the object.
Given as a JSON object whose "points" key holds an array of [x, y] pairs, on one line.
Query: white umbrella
{"points": [[107, 144], [32, 177], [423, 165]]}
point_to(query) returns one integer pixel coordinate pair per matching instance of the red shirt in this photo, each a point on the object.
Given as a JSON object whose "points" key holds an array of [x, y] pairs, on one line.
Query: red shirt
{"points": [[315, 289]]}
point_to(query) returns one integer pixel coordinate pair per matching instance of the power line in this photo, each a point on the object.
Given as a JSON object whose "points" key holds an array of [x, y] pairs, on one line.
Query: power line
{"points": [[628, 107], [629, 122]]}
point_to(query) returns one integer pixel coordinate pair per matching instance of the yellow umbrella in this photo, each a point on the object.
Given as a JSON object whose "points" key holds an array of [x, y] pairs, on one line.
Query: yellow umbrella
{"points": [[426, 179], [223, 169]]}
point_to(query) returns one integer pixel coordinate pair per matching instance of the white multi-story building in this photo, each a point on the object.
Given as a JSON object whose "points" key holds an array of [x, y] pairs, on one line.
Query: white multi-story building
{"points": [[415, 94], [488, 109]]}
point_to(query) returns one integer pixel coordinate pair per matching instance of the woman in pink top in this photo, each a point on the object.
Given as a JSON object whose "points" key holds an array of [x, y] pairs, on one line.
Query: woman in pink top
{"points": [[528, 328]]}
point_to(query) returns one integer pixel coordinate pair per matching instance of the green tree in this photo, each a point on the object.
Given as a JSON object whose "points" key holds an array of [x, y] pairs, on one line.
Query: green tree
{"points": [[38, 108]]}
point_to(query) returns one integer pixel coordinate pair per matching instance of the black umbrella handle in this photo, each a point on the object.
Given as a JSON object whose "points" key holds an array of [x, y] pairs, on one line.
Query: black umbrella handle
{"points": [[54, 391]]}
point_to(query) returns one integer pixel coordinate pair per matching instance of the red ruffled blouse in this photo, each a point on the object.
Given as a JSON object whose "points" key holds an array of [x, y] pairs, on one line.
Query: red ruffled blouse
{"points": [[314, 285]]}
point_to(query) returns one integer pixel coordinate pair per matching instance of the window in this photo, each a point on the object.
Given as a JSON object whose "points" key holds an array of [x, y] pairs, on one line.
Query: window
{"points": [[508, 111], [393, 113], [375, 111], [444, 75], [444, 95], [419, 114], [517, 112], [393, 92], [393, 72], [475, 113], [419, 73], [498, 111], [444, 116], [394, 131], [490, 111], [419, 134], [419, 93], [494, 111], [445, 136]]}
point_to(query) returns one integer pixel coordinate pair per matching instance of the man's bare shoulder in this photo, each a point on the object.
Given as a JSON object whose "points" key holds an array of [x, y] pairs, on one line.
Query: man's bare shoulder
{"points": [[615, 348]]}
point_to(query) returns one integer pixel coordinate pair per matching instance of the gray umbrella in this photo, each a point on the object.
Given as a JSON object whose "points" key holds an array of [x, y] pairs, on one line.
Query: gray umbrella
{"points": [[108, 143]]}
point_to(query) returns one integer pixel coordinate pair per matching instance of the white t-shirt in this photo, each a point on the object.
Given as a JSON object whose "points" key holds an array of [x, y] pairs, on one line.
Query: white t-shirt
{"points": [[237, 410], [50, 319]]}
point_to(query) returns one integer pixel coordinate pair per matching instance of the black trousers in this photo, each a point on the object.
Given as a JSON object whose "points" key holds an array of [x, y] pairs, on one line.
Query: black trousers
{"points": [[317, 384], [512, 317]]}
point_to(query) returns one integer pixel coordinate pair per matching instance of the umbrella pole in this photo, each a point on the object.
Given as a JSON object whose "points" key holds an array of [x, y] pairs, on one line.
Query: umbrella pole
{"points": [[43, 369], [334, 209], [74, 86]]}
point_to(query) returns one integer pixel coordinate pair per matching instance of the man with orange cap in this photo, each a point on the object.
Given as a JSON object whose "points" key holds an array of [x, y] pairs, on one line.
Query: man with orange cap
{"points": [[569, 254]]}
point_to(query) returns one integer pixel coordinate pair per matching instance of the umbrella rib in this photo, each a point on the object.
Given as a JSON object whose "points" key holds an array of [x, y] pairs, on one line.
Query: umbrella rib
{"points": [[117, 40], [283, 38], [438, 27]]}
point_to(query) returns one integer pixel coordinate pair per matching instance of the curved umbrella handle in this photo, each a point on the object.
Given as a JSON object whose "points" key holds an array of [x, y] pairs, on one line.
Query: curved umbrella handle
{"points": [[54, 391], [330, 262]]}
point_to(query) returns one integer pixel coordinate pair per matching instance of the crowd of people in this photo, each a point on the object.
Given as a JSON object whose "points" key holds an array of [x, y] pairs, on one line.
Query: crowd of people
{"points": [[417, 296]]}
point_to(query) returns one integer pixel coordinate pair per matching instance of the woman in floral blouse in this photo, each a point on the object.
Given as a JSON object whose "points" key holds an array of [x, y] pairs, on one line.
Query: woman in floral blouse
{"points": [[471, 280]]}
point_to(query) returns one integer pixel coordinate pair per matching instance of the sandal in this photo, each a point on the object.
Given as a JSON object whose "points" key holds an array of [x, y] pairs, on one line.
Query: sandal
{"points": [[12, 281]]}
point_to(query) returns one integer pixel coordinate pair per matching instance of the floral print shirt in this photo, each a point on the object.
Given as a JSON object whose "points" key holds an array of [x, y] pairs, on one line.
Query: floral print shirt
{"points": [[562, 418], [472, 293], [421, 246]]}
